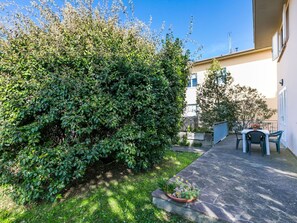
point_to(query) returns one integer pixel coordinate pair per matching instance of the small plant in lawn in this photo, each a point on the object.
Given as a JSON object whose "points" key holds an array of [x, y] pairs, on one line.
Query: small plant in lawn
{"points": [[184, 141], [190, 128], [179, 188]]}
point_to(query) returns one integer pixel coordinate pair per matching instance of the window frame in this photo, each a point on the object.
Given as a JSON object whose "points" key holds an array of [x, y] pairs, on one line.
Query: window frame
{"points": [[281, 36], [193, 76]]}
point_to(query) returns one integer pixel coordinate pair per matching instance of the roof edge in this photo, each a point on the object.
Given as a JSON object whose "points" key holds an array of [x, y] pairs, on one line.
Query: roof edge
{"points": [[229, 56], [254, 21]]}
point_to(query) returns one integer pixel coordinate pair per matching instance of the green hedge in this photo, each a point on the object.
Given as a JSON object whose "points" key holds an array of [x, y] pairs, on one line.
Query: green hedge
{"points": [[79, 89]]}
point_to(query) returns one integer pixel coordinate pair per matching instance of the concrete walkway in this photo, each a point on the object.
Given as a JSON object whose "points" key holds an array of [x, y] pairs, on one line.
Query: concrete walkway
{"points": [[237, 187]]}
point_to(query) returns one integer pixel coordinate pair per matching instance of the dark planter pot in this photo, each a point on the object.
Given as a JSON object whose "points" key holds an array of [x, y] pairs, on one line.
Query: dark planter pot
{"points": [[180, 200], [208, 136]]}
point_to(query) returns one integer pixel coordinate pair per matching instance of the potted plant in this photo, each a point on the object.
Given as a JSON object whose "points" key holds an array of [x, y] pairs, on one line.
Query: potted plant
{"points": [[255, 126], [179, 190]]}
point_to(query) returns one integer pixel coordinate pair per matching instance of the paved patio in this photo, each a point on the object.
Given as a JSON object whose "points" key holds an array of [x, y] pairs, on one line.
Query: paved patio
{"points": [[237, 187]]}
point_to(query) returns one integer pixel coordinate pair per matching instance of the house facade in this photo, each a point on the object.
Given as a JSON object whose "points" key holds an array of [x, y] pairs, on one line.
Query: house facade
{"points": [[275, 25], [253, 68]]}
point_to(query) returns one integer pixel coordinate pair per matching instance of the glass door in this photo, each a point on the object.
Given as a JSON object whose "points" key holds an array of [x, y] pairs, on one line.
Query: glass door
{"points": [[282, 114]]}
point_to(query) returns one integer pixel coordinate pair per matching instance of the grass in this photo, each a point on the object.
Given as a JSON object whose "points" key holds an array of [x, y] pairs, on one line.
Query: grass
{"points": [[121, 199]]}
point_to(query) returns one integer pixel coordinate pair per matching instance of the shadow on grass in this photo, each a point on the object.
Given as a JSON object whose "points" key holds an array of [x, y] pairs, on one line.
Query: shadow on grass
{"points": [[115, 194]]}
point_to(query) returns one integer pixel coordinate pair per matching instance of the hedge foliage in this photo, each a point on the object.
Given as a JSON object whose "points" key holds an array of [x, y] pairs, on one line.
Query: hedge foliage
{"points": [[78, 87]]}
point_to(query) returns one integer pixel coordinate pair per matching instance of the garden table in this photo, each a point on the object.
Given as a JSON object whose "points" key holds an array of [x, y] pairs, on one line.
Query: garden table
{"points": [[244, 143]]}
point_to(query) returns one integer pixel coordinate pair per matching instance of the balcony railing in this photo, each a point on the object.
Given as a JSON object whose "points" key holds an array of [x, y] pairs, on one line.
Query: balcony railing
{"points": [[271, 125]]}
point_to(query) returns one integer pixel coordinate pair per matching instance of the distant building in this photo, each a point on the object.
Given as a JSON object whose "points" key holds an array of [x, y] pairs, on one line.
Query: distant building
{"points": [[253, 68]]}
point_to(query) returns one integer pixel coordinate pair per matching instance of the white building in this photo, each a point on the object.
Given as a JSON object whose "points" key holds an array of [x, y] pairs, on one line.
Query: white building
{"points": [[275, 24], [274, 73], [253, 68]]}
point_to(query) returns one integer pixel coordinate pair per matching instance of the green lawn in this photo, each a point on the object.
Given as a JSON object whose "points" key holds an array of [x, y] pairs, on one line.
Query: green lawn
{"points": [[121, 199]]}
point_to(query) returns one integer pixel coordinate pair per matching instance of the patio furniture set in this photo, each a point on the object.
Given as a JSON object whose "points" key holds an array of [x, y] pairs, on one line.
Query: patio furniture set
{"points": [[258, 136]]}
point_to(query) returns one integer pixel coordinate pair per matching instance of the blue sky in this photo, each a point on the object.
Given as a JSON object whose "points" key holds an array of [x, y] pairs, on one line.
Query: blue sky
{"points": [[212, 21]]}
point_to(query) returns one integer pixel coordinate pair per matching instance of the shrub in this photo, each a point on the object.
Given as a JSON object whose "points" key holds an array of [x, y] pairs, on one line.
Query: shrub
{"points": [[196, 144], [79, 86], [219, 100], [251, 106], [184, 141], [202, 130]]}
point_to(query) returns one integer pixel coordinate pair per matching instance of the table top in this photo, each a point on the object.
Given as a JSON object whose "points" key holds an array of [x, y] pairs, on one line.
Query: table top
{"points": [[244, 131]]}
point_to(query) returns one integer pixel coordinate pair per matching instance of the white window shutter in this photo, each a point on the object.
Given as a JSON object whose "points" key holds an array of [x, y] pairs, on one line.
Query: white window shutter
{"points": [[275, 46], [284, 23]]}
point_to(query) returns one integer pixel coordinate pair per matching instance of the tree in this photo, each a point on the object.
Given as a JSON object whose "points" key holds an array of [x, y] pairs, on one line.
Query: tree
{"points": [[213, 99], [219, 100], [251, 106]]}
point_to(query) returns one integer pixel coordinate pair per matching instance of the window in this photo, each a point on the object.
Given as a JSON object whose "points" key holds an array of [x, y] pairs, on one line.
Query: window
{"points": [[193, 81], [280, 38], [285, 19]]}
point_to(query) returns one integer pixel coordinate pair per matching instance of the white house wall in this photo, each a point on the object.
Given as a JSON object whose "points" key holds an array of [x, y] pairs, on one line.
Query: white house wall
{"points": [[259, 74], [191, 95], [287, 70]]}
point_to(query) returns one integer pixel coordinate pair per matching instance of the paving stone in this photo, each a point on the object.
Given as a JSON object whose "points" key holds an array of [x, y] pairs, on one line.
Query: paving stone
{"points": [[237, 187]]}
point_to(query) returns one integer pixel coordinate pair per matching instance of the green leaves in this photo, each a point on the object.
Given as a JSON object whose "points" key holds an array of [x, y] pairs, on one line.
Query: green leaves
{"points": [[219, 100], [81, 88], [251, 106], [214, 97]]}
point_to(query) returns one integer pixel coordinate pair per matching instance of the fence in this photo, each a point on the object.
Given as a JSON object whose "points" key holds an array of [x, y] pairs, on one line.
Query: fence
{"points": [[270, 125], [220, 131]]}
